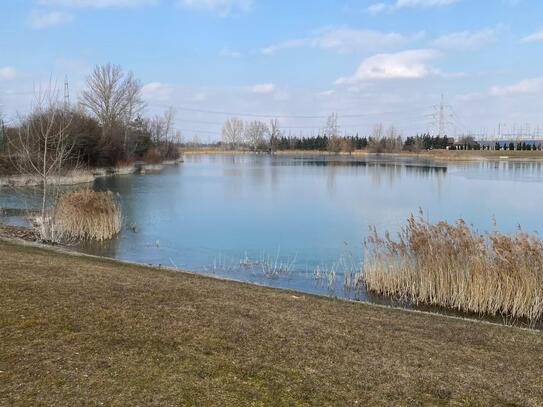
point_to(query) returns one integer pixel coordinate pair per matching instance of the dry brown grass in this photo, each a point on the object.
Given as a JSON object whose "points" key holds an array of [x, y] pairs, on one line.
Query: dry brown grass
{"points": [[472, 155], [87, 215], [76, 331], [453, 266]]}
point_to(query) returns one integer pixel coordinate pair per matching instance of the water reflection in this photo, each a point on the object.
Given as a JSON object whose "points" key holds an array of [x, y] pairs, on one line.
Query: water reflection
{"points": [[525, 171], [213, 211]]}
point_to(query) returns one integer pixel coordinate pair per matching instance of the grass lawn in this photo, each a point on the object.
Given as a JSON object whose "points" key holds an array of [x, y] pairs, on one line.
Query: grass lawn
{"points": [[80, 331]]}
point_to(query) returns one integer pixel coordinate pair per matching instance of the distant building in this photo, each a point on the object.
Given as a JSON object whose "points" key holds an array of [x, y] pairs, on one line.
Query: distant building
{"points": [[466, 143]]}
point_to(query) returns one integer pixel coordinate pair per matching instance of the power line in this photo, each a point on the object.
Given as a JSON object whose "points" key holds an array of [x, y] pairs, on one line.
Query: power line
{"points": [[200, 131], [345, 126], [276, 116]]}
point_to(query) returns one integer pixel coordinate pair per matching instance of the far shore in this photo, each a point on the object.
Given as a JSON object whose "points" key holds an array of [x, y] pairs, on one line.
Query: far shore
{"points": [[86, 176], [436, 155]]}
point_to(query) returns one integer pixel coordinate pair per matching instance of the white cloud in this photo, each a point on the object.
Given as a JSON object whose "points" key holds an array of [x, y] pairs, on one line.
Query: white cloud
{"points": [[399, 4], [263, 88], [200, 96], [525, 86], [98, 3], [378, 8], [424, 3], [327, 93], [470, 96], [296, 43], [269, 90], [227, 53], [44, 19], [412, 64], [466, 40], [281, 96], [8, 72], [344, 39], [158, 95], [157, 91], [220, 7], [537, 36]]}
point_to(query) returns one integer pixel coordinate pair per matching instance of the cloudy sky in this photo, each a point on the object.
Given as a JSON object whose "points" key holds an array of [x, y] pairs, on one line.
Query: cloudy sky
{"points": [[370, 61]]}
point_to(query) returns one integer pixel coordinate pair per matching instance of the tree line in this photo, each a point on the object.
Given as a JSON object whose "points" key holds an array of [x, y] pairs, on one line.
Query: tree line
{"points": [[107, 127], [259, 136]]}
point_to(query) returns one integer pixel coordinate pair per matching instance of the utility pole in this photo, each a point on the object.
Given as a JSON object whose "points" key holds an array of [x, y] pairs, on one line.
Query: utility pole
{"points": [[2, 135], [66, 94]]}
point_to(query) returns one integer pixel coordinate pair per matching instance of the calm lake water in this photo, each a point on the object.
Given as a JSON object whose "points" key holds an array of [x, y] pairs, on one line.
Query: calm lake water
{"points": [[276, 220]]}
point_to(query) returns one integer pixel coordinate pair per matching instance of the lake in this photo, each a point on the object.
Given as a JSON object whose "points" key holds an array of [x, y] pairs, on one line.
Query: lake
{"points": [[285, 221]]}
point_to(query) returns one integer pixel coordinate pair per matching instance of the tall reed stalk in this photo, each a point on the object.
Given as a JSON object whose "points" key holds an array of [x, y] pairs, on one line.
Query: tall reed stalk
{"points": [[454, 266], [87, 215]]}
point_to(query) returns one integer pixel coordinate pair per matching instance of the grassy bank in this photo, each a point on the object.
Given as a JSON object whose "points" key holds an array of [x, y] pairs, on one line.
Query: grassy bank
{"points": [[470, 155], [82, 331]]}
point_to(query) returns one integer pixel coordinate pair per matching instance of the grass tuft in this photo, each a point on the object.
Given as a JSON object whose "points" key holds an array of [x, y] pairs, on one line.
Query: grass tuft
{"points": [[87, 215]]}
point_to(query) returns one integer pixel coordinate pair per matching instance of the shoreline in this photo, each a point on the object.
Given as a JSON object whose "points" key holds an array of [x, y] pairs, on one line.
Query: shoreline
{"points": [[436, 155], [23, 236], [86, 176]]}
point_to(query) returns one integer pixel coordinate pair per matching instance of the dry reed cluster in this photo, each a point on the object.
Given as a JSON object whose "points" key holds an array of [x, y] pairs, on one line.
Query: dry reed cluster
{"points": [[453, 266], [87, 215]]}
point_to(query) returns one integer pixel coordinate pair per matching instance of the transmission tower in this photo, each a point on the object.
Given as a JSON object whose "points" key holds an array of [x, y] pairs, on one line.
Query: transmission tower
{"points": [[442, 116], [441, 119]]}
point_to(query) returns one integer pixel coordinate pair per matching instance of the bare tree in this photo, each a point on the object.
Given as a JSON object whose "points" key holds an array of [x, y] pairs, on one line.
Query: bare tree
{"points": [[334, 144], [347, 145], [275, 134], [394, 141], [178, 136], [162, 127], [169, 124], [381, 142], [232, 132], [196, 142], [377, 132], [42, 149], [332, 128], [256, 135], [112, 95]]}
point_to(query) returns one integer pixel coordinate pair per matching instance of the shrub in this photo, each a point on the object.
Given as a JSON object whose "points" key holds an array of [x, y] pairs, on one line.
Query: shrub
{"points": [[169, 151], [87, 215], [153, 156]]}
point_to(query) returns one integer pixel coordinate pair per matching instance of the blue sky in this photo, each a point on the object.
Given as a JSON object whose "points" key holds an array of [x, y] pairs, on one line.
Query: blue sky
{"points": [[370, 61]]}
